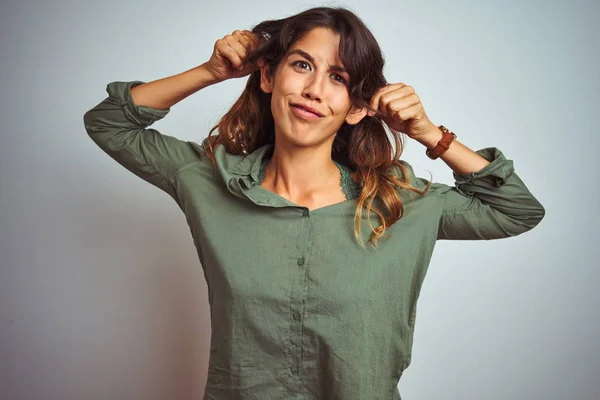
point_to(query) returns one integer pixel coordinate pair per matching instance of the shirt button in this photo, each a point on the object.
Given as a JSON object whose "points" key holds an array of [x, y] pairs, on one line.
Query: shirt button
{"points": [[301, 261], [293, 370], [305, 213], [296, 316]]}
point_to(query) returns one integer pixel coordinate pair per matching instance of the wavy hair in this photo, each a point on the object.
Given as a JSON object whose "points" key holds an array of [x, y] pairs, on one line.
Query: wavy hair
{"points": [[365, 147]]}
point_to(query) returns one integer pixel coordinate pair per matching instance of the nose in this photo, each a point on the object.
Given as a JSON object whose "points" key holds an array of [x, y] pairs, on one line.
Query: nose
{"points": [[313, 89]]}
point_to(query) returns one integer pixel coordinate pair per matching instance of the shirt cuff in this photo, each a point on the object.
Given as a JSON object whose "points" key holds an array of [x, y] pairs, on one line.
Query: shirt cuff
{"points": [[140, 115], [493, 175]]}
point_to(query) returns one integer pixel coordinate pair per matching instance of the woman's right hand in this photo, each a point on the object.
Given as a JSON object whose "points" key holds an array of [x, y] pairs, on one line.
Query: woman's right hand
{"points": [[228, 59]]}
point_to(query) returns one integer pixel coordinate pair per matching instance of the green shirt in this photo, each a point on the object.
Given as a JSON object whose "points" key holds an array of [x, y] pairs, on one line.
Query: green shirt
{"points": [[298, 309]]}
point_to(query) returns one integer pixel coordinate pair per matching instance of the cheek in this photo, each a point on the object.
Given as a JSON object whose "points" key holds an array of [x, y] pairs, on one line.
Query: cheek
{"points": [[281, 92], [286, 82], [340, 106]]}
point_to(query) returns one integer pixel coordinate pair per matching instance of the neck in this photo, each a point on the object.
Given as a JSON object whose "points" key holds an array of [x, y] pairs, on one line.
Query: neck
{"points": [[301, 172]]}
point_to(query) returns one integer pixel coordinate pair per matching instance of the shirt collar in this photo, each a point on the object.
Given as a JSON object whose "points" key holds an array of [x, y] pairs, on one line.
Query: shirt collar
{"points": [[240, 175], [241, 165], [250, 164]]}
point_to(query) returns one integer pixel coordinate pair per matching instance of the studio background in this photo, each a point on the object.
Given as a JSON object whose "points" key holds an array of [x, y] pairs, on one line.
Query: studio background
{"points": [[102, 295]]}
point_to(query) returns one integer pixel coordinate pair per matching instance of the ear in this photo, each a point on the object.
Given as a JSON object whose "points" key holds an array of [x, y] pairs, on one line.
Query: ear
{"points": [[355, 115], [266, 80]]}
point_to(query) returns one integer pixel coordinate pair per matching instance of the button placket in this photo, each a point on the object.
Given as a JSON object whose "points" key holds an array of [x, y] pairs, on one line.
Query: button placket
{"points": [[297, 297]]}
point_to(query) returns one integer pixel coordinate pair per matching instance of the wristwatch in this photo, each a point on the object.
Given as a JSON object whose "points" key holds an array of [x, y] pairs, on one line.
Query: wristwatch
{"points": [[443, 144]]}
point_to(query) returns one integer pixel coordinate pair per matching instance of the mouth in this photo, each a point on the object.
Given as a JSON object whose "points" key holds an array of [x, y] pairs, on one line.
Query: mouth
{"points": [[305, 112]]}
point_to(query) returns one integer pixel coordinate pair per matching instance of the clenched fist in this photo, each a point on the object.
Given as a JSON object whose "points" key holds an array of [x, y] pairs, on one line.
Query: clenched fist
{"points": [[229, 55]]}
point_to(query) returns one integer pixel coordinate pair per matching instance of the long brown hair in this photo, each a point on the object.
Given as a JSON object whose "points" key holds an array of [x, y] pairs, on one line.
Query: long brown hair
{"points": [[364, 147]]}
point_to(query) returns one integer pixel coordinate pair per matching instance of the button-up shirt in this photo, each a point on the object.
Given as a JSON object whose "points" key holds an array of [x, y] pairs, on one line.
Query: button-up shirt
{"points": [[299, 310]]}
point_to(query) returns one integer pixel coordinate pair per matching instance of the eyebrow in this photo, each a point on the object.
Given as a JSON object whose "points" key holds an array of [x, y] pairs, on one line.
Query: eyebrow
{"points": [[310, 58]]}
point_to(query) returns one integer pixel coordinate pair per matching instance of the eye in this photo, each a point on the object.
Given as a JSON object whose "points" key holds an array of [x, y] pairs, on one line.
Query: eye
{"points": [[337, 77], [341, 80], [297, 63]]}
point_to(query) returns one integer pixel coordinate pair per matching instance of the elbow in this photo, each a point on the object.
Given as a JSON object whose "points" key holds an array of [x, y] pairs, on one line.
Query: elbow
{"points": [[94, 128], [536, 215], [527, 220], [89, 122], [94, 124]]}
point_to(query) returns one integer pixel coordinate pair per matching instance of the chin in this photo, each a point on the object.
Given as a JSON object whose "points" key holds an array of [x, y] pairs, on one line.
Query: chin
{"points": [[302, 136], [305, 139]]}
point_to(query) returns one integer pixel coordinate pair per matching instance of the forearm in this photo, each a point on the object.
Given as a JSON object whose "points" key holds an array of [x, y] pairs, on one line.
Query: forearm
{"points": [[163, 93], [459, 157]]}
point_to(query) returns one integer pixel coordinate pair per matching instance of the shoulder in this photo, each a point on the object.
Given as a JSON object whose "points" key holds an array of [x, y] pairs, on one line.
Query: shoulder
{"points": [[402, 169]]}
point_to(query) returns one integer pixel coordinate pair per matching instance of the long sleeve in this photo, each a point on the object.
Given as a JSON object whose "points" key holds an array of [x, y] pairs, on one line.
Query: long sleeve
{"points": [[120, 128], [491, 203]]}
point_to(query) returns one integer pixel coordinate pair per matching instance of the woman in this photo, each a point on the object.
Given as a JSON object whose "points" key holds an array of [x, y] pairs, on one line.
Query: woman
{"points": [[280, 202]]}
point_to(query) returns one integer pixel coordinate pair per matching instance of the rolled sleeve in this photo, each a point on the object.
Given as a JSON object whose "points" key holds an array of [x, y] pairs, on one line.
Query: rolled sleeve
{"points": [[120, 128], [493, 175], [491, 203], [142, 116]]}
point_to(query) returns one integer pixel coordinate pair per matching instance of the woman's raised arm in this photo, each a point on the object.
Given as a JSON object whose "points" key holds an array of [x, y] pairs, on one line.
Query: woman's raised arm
{"points": [[119, 124]]}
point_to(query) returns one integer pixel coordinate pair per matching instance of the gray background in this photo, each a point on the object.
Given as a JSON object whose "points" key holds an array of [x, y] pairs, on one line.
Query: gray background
{"points": [[101, 292]]}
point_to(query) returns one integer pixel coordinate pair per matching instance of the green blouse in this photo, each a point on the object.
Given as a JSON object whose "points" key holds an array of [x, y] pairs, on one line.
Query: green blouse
{"points": [[298, 309]]}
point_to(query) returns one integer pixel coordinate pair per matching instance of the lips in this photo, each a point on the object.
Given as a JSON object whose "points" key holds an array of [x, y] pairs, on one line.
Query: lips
{"points": [[307, 108]]}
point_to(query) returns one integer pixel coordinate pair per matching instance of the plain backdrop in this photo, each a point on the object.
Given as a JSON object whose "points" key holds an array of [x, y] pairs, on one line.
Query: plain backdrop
{"points": [[102, 295]]}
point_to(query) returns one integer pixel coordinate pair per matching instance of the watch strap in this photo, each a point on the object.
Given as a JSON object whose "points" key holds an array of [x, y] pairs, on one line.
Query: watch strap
{"points": [[443, 145]]}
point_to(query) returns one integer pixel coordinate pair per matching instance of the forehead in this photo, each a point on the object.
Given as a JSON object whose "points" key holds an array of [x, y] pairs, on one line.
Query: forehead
{"points": [[321, 43]]}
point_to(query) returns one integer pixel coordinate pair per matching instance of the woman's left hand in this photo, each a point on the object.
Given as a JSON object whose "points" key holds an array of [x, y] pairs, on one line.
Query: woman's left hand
{"points": [[401, 109]]}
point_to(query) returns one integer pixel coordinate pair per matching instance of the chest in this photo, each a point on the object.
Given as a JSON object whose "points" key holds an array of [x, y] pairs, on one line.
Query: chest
{"points": [[268, 255], [313, 201], [255, 249]]}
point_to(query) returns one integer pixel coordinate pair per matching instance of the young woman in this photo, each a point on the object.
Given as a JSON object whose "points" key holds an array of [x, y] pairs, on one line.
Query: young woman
{"points": [[281, 202]]}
